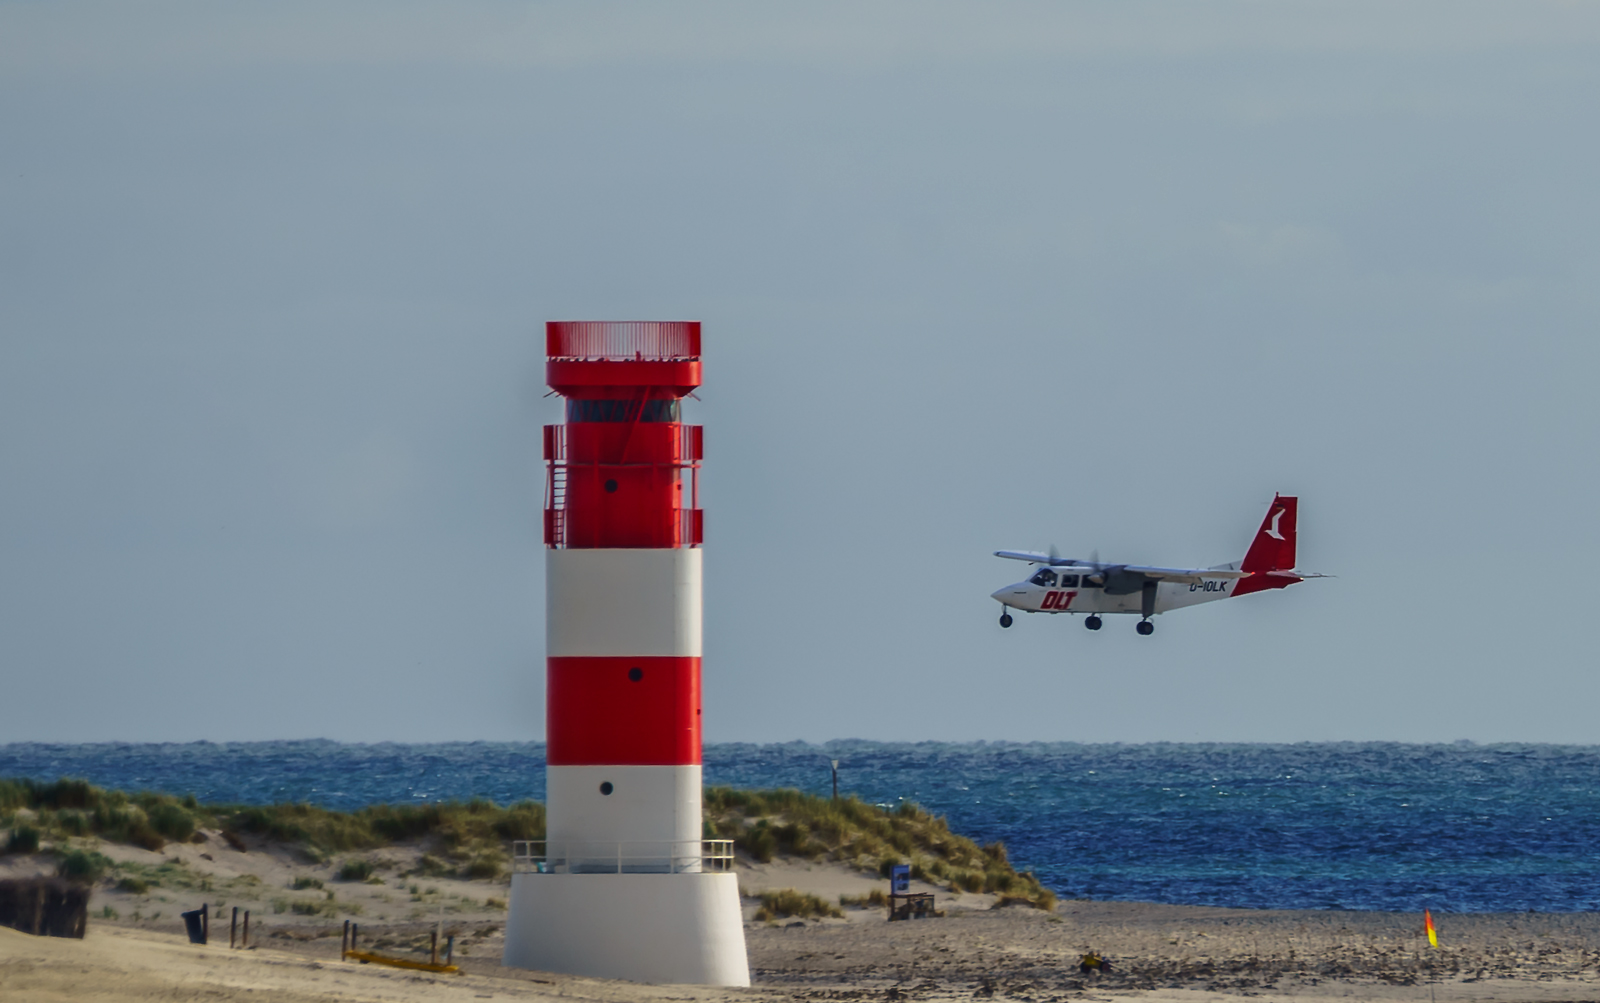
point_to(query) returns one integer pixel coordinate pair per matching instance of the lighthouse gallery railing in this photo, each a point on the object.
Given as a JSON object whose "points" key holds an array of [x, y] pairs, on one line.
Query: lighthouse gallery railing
{"points": [[537, 856]]}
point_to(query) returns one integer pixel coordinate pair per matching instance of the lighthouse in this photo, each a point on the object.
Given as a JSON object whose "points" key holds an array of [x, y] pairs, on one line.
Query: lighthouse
{"points": [[624, 886]]}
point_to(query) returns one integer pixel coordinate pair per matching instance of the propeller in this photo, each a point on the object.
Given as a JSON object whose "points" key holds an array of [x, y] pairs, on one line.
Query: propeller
{"points": [[1094, 562], [1056, 560]]}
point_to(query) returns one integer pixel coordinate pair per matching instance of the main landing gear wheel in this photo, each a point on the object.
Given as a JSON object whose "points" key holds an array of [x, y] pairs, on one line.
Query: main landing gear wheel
{"points": [[1005, 619], [1093, 623], [1146, 627]]}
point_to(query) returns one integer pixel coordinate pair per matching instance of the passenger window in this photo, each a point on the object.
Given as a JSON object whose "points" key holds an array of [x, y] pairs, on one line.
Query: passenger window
{"points": [[1045, 577], [1069, 581], [1090, 583]]}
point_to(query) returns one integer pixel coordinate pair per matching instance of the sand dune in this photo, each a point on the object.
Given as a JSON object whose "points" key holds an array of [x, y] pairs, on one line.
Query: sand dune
{"points": [[1160, 953]]}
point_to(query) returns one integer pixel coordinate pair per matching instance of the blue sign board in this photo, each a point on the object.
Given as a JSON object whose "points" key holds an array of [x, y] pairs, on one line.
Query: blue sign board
{"points": [[900, 879]]}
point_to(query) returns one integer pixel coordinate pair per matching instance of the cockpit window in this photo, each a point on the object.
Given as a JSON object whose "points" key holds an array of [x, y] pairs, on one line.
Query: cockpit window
{"points": [[1045, 577], [1069, 581]]}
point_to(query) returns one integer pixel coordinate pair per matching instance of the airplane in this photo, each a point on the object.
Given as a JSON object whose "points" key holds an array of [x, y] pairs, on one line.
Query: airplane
{"points": [[1065, 585]]}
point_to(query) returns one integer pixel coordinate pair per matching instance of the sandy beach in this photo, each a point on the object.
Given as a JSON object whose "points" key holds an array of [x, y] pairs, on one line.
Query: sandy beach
{"points": [[135, 951]]}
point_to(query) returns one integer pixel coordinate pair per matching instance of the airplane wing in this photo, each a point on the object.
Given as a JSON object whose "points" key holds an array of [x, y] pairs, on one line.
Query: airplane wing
{"points": [[1034, 557], [1024, 555], [1185, 575], [1190, 576]]}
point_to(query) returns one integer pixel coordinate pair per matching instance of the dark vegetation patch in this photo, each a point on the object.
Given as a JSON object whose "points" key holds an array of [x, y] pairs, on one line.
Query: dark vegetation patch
{"points": [[789, 902]]}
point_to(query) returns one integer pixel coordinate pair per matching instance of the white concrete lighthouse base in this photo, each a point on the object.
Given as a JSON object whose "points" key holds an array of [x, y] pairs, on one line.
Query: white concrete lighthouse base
{"points": [[682, 928]]}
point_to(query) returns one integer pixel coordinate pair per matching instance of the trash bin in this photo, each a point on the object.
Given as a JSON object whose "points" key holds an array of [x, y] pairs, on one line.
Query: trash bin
{"points": [[195, 921]]}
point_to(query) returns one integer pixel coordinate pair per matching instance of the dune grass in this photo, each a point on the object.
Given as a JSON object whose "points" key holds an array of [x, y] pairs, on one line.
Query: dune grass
{"points": [[789, 902], [471, 838], [765, 824], [471, 835]]}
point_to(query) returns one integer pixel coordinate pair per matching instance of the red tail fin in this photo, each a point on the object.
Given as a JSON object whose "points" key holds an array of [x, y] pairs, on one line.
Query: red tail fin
{"points": [[1273, 547]]}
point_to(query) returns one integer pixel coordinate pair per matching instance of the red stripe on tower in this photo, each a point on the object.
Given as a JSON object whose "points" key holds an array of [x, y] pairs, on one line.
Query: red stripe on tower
{"points": [[638, 710]]}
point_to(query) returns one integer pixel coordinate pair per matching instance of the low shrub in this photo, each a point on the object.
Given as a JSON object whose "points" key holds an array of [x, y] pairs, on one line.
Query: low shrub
{"points": [[73, 823], [24, 839], [170, 821], [83, 866], [356, 870], [137, 886], [310, 907], [125, 823], [14, 794], [789, 902], [64, 793], [876, 897], [484, 868], [759, 842], [302, 882]]}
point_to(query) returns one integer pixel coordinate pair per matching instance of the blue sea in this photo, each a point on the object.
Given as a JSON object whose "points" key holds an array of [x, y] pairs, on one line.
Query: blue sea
{"points": [[1458, 828]]}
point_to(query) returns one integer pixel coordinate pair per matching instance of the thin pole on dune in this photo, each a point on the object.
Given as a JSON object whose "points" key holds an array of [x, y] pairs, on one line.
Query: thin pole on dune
{"points": [[835, 763]]}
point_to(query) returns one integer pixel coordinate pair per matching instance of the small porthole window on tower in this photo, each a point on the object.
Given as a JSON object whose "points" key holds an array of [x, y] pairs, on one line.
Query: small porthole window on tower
{"points": [[636, 673], [606, 788], [611, 486]]}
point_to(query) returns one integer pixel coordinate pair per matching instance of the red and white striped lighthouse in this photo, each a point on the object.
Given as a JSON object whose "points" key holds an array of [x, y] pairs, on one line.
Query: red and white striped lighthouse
{"points": [[624, 886]]}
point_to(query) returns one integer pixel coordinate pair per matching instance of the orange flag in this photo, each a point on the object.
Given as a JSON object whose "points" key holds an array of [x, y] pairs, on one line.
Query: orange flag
{"points": [[1427, 921]]}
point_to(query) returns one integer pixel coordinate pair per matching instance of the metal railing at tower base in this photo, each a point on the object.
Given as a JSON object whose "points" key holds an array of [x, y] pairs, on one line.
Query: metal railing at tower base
{"points": [[661, 856]]}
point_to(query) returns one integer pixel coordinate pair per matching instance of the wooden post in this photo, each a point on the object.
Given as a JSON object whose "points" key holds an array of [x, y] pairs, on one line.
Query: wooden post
{"points": [[245, 940], [344, 940], [205, 922], [433, 952], [835, 763], [450, 950], [354, 931], [233, 930]]}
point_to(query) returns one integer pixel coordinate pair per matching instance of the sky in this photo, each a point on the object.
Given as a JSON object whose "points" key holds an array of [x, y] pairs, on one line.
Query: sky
{"points": [[1104, 276]]}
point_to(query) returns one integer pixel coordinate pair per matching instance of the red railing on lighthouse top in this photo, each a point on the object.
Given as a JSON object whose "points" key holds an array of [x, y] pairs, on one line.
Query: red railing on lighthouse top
{"points": [[623, 360], [623, 340]]}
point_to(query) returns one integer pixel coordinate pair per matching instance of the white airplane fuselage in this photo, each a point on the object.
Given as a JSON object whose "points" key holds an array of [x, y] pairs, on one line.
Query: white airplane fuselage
{"points": [[1092, 587], [1046, 592]]}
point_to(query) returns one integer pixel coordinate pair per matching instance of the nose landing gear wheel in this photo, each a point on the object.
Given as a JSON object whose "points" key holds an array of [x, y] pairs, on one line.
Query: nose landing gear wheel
{"points": [[1005, 619], [1093, 623], [1146, 627]]}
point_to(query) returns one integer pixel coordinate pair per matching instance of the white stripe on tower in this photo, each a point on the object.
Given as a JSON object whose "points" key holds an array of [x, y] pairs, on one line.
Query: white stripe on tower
{"points": [[617, 602]]}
